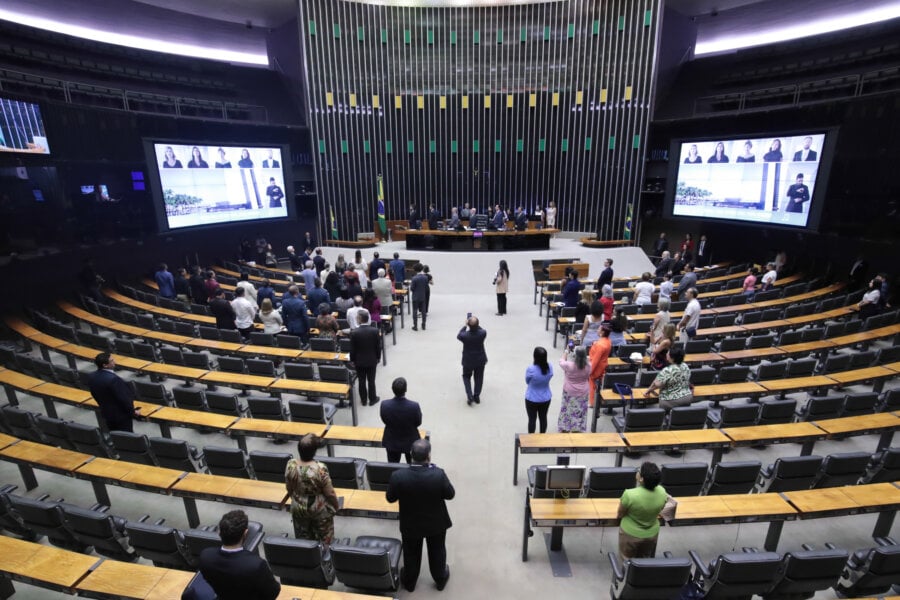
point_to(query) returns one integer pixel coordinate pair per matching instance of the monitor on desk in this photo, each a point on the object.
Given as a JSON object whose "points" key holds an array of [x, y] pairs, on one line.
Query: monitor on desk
{"points": [[565, 477]]}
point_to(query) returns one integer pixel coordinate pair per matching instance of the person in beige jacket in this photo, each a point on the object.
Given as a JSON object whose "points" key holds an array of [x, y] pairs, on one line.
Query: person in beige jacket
{"points": [[501, 285]]}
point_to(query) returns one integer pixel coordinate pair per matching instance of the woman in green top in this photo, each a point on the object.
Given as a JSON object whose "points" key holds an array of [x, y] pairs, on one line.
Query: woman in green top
{"points": [[673, 382], [639, 514], [313, 499]]}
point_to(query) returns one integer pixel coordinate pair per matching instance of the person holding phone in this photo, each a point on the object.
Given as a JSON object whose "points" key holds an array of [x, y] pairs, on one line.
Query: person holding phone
{"points": [[576, 368]]}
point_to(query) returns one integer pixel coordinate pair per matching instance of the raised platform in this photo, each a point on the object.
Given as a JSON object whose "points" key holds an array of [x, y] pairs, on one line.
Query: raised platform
{"points": [[479, 241], [370, 243], [592, 242]]}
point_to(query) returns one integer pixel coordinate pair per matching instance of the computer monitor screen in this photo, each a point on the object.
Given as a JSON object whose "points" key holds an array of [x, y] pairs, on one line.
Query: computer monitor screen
{"points": [[22, 128], [565, 477]]}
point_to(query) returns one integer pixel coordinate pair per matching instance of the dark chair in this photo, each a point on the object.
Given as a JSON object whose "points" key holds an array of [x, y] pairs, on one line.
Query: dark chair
{"points": [[609, 482], [228, 462], [626, 350], [91, 440], [334, 373], [836, 363], [859, 403], [732, 344], [289, 341], [889, 401], [45, 518], [870, 572], [813, 334], [735, 415], [22, 424], [105, 532], [198, 360], [640, 419], [379, 473], [186, 329], [261, 366], [261, 407], [54, 431], [842, 469], [231, 364], [819, 408], [299, 371], [862, 360], [198, 540], [805, 572], [771, 371], [176, 454], [299, 562], [698, 346], [686, 417], [270, 466], [736, 374], [789, 337], [884, 466], [834, 330], [684, 479], [703, 376], [171, 356], [761, 341], [622, 377], [788, 474], [345, 472], [725, 319], [737, 575], [191, 397], [311, 412], [371, 563], [752, 316], [322, 344], [889, 355], [162, 545], [145, 351], [732, 478], [231, 335], [774, 412], [648, 578], [132, 447], [258, 338], [225, 404], [155, 393], [9, 520]]}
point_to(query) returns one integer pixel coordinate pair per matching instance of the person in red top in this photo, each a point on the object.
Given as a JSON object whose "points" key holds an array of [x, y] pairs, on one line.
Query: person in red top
{"points": [[599, 357], [608, 301]]}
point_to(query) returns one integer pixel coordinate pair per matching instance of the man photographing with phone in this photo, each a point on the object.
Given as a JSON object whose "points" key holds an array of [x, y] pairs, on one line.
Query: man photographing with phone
{"points": [[474, 358]]}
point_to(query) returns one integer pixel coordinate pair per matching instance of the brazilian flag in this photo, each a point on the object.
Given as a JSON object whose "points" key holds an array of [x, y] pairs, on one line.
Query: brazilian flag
{"points": [[628, 221], [382, 224], [334, 229]]}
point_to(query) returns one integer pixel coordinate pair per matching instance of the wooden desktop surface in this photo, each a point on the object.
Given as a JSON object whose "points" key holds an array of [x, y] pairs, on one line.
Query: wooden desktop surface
{"points": [[7, 440], [822, 501], [217, 487], [61, 392], [796, 383], [762, 433], [43, 563], [19, 380], [191, 418], [367, 501], [46, 456], [548, 441], [270, 427], [132, 580], [686, 437], [858, 375], [873, 422], [304, 385]]}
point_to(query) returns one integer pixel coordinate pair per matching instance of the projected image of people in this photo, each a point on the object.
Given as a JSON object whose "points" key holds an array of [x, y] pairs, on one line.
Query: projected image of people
{"points": [[719, 156], [747, 156], [797, 194], [170, 161], [223, 162], [197, 161], [245, 162], [274, 193], [774, 153], [270, 162], [693, 157], [806, 154]]}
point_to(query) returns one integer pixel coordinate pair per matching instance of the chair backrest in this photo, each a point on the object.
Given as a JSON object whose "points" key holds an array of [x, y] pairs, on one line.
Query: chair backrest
{"points": [[735, 374], [21, 423], [859, 404], [260, 366], [231, 364], [54, 431], [883, 468], [198, 360], [698, 346], [188, 329], [145, 351], [770, 371], [104, 532], [299, 562], [773, 412], [47, 519], [845, 468], [813, 334], [644, 419], [703, 375], [835, 363], [862, 360], [372, 563], [610, 482], [752, 316], [149, 391], [825, 407], [133, 447], [788, 337], [231, 335], [742, 574], [334, 373], [345, 472], [261, 407], [875, 574], [733, 478], [86, 438], [687, 417], [761, 341], [806, 572], [623, 378], [732, 344], [176, 454], [299, 371], [189, 397], [229, 462], [791, 473], [171, 356], [684, 479], [289, 341], [740, 415], [224, 404], [379, 473], [322, 344], [646, 578], [162, 545], [258, 338], [269, 466]]}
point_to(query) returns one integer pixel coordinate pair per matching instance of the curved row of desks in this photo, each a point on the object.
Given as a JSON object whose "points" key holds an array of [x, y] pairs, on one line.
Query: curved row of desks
{"points": [[96, 577]]}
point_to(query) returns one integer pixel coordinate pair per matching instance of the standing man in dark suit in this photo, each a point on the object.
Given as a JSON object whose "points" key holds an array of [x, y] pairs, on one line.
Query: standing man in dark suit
{"points": [[418, 290], [422, 490], [376, 264], [113, 395], [806, 154], [293, 311], [401, 418], [660, 245], [414, 221], [365, 352], [474, 358], [222, 310], [233, 572], [606, 275], [434, 215], [704, 252]]}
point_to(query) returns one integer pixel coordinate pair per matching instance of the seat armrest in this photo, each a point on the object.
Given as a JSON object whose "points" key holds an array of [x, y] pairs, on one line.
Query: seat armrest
{"points": [[702, 568], [618, 573]]}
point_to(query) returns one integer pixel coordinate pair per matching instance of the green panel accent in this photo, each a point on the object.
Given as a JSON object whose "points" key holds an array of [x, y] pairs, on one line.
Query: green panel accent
{"points": [[476, 37], [454, 146], [321, 146], [361, 34], [636, 142], [587, 144], [612, 142], [337, 31], [596, 30], [312, 27], [520, 145], [344, 147], [388, 147], [432, 146], [367, 147], [407, 36], [431, 36], [571, 32], [497, 146], [384, 36], [523, 34], [499, 36], [565, 145], [452, 37], [546, 33], [542, 145], [476, 146], [410, 146], [648, 18], [621, 22]]}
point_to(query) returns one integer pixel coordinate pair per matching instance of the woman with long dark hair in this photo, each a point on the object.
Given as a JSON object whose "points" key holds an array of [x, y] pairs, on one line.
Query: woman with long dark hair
{"points": [[501, 286], [537, 394]]}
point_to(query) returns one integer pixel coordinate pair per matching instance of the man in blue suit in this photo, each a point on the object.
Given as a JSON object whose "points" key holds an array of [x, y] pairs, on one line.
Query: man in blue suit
{"points": [[293, 310], [113, 395], [401, 418]]}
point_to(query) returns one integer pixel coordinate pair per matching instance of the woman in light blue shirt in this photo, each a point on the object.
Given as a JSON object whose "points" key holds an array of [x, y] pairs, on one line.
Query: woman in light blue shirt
{"points": [[537, 394]]}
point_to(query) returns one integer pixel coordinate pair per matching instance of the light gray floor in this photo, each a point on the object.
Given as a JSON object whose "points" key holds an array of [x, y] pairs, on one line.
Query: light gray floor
{"points": [[475, 445]]}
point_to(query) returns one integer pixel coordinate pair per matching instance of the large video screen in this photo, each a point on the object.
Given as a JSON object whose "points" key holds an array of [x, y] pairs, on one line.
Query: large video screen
{"points": [[22, 128], [208, 184], [773, 180]]}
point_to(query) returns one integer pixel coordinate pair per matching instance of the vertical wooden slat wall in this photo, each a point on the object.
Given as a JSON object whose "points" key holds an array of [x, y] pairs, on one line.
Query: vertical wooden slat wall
{"points": [[517, 104]]}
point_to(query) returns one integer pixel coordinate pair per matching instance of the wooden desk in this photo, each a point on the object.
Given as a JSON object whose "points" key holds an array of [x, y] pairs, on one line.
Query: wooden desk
{"points": [[687, 439], [13, 380], [553, 443], [820, 347], [368, 503], [803, 432], [28, 455], [714, 392], [878, 374], [303, 387], [267, 428], [7, 440], [83, 352], [186, 374], [796, 384], [737, 508], [269, 352], [137, 581], [103, 471], [168, 417], [215, 488], [45, 566], [237, 379], [884, 423]]}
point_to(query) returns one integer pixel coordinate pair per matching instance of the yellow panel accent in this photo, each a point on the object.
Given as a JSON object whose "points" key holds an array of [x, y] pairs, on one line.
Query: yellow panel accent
{"points": [[398, 101], [603, 94], [509, 101], [376, 101], [329, 98], [555, 98], [465, 102], [579, 97], [628, 91], [420, 101], [487, 101], [443, 102], [532, 100], [353, 100]]}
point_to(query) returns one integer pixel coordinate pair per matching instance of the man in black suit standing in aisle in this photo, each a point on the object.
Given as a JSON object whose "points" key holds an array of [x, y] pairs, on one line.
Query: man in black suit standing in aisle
{"points": [[474, 358], [233, 572], [422, 490], [806, 155], [113, 395], [704, 252], [606, 275], [401, 418], [365, 352]]}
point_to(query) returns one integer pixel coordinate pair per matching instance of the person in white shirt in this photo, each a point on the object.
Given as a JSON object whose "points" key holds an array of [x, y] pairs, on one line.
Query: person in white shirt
{"points": [[691, 319], [244, 312], [249, 289], [353, 314], [666, 287], [360, 269], [768, 280], [270, 318], [643, 291]]}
